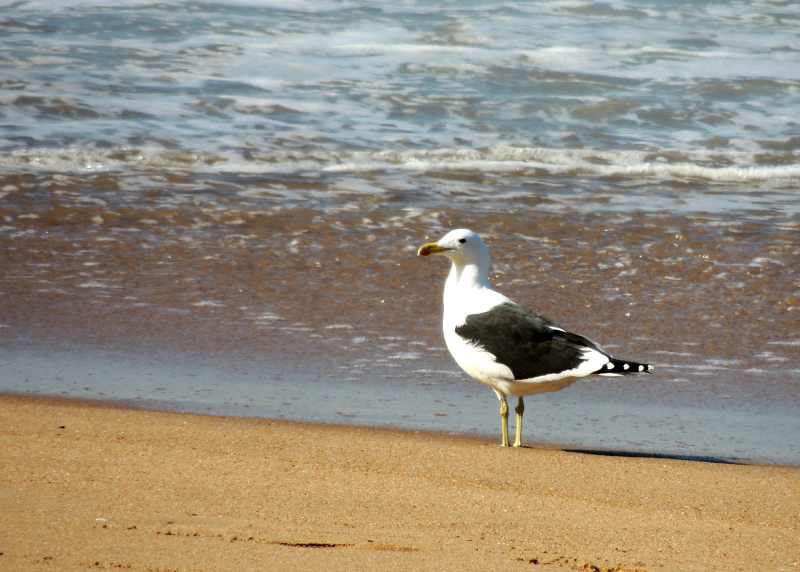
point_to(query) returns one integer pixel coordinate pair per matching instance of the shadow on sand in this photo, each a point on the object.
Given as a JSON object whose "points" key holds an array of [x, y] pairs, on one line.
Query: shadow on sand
{"points": [[645, 455]]}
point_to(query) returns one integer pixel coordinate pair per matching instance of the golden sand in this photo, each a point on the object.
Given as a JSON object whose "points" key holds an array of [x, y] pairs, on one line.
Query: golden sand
{"points": [[94, 487]]}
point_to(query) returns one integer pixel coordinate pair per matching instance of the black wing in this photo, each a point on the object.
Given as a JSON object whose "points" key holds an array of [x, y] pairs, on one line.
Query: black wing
{"points": [[524, 342]]}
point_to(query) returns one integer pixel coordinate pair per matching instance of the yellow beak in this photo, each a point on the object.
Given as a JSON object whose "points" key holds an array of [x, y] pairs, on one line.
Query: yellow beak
{"points": [[430, 248]]}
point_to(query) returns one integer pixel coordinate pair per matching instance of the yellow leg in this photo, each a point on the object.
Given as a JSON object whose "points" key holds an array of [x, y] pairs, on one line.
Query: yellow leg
{"points": [[520, 411], [503, 421]]}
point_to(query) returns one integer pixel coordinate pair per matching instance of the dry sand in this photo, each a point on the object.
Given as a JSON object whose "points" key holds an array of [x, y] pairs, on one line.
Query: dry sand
{"points": [[86, 486]]}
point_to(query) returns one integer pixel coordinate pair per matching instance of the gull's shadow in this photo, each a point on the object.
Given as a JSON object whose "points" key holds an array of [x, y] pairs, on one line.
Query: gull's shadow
{"points": [[645, 455]]}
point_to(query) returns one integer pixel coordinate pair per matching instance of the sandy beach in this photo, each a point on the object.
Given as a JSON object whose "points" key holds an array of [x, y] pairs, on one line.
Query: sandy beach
{"points": [[211, 213], [92, 486]]}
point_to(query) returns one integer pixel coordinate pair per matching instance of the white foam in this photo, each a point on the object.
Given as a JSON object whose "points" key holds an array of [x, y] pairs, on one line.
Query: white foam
{"points": [[789, 343], [93, 284], [734, 166], [294, 5], [267, 317], [374, 49], [406, 356], [565, 161]]}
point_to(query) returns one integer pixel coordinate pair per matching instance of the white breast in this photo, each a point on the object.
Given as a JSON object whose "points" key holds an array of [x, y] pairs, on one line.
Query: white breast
{"points": [[462, 299]]}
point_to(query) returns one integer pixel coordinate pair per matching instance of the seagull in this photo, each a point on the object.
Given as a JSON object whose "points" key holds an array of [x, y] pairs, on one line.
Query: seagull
{"points": [[502, 344]]}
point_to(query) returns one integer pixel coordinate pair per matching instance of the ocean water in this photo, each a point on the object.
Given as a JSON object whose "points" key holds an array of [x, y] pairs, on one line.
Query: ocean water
{"points": [[231, 194]]}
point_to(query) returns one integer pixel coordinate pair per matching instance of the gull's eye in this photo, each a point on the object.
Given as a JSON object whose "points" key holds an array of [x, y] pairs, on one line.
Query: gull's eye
{"points": [[462, 240]]}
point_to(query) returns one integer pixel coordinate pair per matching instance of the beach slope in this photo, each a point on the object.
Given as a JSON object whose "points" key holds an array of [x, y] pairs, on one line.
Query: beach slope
{"points": [[87, 486]]}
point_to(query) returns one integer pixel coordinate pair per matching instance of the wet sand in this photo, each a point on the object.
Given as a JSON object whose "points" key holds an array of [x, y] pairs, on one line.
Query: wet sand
{"points": [[208, 208], [334, 292], [87, 486]]}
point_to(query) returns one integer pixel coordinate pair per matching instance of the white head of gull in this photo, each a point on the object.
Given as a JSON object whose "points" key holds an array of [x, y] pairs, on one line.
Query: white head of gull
{"points": [[503, 345]]}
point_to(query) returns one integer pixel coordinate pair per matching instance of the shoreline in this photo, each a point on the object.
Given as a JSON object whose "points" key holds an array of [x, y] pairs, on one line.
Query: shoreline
{"points": [[92, 486], [166, 407], [657, 418]]}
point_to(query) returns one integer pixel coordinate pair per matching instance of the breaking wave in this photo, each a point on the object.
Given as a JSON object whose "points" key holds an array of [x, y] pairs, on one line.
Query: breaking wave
{"points": [[663, 165]]}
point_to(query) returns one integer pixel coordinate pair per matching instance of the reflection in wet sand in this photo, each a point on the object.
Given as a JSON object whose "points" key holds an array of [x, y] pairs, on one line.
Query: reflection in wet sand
{"points": [[710, 298]]}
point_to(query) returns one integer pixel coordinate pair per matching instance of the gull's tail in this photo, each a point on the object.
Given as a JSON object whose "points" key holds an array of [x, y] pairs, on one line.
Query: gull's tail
{"points": [[622, 367]]}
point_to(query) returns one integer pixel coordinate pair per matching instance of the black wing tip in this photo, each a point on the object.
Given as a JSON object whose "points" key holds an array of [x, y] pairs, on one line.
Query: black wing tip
{"points": [[622, 367]]}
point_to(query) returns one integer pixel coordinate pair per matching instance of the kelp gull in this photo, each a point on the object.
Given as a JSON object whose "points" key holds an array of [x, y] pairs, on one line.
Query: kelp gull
{"points": [[503, 345]]}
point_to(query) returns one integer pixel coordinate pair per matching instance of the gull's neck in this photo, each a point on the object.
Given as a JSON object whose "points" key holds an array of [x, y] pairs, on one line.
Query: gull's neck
{"points": [[463, 283], [470, 275]]}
